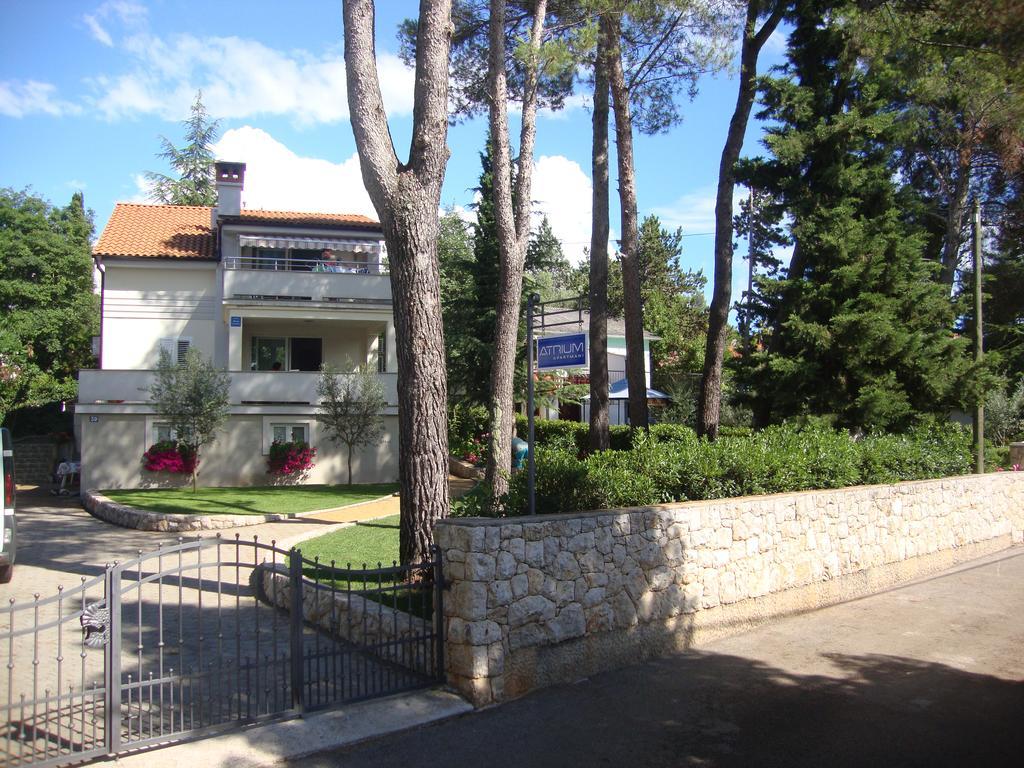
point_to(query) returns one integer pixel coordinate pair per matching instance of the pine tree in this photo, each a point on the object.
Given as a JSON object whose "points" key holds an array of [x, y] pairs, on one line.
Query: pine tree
{"points": [[193, 163], [858, 328], [50, 309]]}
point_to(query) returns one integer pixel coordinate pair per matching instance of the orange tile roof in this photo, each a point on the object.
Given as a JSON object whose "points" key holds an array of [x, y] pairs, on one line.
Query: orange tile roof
{"points": [[299, 218], [168, 231], [183, 231]]}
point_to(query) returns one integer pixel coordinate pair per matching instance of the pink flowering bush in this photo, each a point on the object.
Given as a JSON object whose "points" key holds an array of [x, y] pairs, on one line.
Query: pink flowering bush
{"points": [[169, 456], [290, 459]]}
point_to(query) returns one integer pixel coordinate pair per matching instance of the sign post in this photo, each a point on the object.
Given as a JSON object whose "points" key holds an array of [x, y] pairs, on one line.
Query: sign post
{"points": [[531, 468], [549, 352]]}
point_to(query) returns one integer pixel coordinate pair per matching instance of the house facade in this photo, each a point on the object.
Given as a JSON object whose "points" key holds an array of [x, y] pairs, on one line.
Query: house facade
{"points": [[268, 296]]}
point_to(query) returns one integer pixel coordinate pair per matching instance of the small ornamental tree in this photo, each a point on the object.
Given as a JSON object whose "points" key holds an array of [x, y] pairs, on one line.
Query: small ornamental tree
{"points": [[350, 408], [193, 398]]}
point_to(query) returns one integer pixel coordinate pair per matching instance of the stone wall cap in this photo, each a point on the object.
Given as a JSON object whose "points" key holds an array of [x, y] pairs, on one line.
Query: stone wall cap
{"points": [[476, 522]]}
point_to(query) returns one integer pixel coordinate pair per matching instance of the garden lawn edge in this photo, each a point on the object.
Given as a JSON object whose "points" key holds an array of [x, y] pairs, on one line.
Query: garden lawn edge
{"points": [[108, 510]]}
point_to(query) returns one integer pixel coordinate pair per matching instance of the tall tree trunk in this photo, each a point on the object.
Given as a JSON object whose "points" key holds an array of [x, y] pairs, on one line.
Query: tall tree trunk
{"points": [[632, 302], [350, 465], [406, 197], [710, 400], [955, 221], [599, 437], [512, 219]]}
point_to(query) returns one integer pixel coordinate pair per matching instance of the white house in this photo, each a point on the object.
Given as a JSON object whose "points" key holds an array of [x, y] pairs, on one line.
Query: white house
{"points": [[268, 296], [558, 321]]}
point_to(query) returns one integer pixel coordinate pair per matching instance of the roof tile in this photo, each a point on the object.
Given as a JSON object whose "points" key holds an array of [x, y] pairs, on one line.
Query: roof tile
{"points": [[183, 231]]}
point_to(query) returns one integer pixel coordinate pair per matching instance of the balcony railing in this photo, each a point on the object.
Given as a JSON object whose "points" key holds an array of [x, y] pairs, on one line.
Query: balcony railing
{"points": [[294, 264], [246, 388], [265, 278]]}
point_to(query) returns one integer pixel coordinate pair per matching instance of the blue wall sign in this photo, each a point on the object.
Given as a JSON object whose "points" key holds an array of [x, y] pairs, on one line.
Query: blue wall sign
{"points": [[236, 322], [562, 351]]}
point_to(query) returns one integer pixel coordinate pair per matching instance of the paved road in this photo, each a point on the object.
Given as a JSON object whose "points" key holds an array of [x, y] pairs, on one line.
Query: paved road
{"points": [[924, 675]]}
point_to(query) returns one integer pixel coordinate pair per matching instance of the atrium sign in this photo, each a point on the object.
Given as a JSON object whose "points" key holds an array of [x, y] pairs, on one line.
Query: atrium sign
{"points": [[562, 351]]}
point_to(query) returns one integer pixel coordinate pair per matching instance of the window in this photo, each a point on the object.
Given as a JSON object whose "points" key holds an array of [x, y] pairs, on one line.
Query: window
{"points": [[163, 433], [176, 347], [287, 354], [382, 353], [286, 429], [268, 352], [289, 433]]}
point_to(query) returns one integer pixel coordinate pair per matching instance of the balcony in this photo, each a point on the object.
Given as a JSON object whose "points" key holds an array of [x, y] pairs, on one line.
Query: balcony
{"points": [[271, 278], [247, 387]]}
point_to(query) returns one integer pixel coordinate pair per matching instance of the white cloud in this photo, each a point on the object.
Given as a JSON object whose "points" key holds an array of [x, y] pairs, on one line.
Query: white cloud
{"points": [[562, 192], [240, 78], [278, 179], [97, 31], [694, 211], [776, 43], [130, 15], [21, 98], [76, 185]]}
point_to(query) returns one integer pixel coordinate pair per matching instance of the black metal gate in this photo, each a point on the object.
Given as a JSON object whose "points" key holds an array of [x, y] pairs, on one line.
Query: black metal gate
{"points": [[206, 635]]}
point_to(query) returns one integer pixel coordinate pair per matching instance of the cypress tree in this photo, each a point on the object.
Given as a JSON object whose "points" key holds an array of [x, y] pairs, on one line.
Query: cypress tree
{"points": [[857, 329]]}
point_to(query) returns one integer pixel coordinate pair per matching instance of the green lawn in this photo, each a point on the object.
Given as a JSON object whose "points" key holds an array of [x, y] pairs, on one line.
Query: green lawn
{"points": [[367, 544], [277, 500], [370, 542]]}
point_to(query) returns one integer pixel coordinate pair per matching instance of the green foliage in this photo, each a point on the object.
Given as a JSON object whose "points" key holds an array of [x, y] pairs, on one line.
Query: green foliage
{"points": [[351, 408], [50, 311], [931, 449], [468, 427], [1004, 414], [672, 464], [193, 398], [856, 326], [193, 163]]}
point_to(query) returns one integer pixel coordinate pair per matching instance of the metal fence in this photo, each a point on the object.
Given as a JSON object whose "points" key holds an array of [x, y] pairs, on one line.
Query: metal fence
{"points": [[206, 635]]}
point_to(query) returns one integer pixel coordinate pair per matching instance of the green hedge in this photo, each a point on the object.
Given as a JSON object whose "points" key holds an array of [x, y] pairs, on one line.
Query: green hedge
{"points": [[672, 464]]}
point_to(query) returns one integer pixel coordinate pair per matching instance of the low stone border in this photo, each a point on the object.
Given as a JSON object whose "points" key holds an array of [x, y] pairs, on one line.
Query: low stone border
{"points": [[463, 469], [385, 632], [99, 506]]}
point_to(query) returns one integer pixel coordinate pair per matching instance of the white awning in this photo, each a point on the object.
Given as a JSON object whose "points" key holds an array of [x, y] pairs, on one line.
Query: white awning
{"points": [[311, 243]]}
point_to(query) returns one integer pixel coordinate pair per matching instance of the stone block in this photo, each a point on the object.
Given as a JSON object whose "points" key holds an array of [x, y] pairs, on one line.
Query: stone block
{"points": [[531, 608], [506, 565], [534, 554], [520, 585], [661, 577], [469, 600], [570, 622], [499, 593], [581, 542], [565, 566], [480, 566]]}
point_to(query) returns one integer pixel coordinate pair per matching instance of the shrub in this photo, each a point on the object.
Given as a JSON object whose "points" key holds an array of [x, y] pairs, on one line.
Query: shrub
{"points": [[169, 456], [292, 459], [672, 464]]}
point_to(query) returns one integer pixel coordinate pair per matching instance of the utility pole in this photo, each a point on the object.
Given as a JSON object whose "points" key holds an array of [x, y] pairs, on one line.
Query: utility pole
{"points": [[979, 353], [751, 263]]}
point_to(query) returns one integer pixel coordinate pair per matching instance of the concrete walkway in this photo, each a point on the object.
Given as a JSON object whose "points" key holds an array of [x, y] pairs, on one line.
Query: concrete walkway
{"points": [[927, 674]]}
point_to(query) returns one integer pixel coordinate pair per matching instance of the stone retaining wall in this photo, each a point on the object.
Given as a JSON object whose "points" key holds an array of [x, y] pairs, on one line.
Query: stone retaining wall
{"points": [[536, 600]]}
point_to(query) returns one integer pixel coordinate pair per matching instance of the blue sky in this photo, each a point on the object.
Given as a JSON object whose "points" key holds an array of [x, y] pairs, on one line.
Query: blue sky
{"points": [[86, 89]]}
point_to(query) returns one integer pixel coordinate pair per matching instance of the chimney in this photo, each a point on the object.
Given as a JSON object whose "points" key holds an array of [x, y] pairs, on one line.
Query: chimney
{"points": [[230, 177]]}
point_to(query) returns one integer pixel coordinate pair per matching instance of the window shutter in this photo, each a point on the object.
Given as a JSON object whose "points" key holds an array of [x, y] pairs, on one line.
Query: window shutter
{"points": [[182, 349]]}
